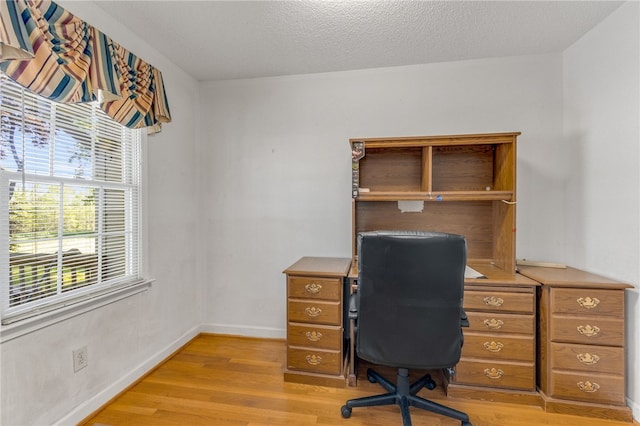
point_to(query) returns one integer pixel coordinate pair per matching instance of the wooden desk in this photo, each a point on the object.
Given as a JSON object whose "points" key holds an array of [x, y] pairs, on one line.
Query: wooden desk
{"points": [[466, 184]]}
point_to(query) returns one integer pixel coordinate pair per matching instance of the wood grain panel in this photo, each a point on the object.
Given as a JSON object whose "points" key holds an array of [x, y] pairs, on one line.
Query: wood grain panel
{"points": [[497, 323], [314, 361], [587, 301], [588, 387], [315, 288], [599, 359], [465, 167], [587, 330], [473, 219], [391, 169], [508, 375], [315, 312], [496, 301], [503, 347], [323, 337]]}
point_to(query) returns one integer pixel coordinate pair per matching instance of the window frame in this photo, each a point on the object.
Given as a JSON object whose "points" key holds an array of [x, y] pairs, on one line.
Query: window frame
{"points": [[76, 300]]}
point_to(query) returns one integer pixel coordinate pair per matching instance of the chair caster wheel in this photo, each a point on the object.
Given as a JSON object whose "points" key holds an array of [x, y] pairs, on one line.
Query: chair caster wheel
{"points": [[466, 423], [346, 412], [431, 385]]}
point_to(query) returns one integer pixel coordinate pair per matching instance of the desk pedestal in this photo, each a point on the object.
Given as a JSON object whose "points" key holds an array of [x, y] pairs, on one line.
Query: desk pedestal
{"points": [[315, 321]]}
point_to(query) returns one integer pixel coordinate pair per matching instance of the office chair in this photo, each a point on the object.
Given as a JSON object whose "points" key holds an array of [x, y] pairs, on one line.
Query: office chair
{"points": [[409, 313]]}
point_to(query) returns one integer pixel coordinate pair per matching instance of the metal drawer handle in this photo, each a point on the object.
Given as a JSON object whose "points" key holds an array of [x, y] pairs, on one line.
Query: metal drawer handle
{"points": [[313, 288], [312, 311], [493, 324], [493, 373], [588, 387], [588, 359], [313, 359], [588, 331], [314, 336], [588, 302], [493, 301], [493, 346]]}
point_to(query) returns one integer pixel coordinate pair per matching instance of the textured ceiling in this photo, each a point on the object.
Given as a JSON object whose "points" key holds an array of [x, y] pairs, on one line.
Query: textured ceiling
{"points": [[215, 40]]}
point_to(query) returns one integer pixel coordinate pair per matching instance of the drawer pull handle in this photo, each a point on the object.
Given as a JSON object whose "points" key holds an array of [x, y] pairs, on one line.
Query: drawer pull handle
{"points": [[588, 387], [588, 302], [313, 359], [493, 301], [493, 346], [588, 331], [313, 288], [314, 336], [312, 311], [588, 359], [493, 324], [493, 373]]}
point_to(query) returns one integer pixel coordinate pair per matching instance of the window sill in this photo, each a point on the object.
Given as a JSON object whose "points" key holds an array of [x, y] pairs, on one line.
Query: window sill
{"points": [[24, 323]]}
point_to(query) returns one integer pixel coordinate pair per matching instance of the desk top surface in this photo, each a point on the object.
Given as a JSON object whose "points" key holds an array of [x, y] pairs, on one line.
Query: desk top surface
{"points": [[569, 277], [492, 275], [320, 266]]}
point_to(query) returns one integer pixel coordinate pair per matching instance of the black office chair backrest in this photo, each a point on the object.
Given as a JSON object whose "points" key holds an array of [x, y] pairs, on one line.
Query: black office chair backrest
{"points": [[410, 290]]}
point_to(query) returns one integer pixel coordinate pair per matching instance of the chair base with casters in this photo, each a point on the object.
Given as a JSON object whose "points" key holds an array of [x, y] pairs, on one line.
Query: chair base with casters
{"points": [[403, 394]]}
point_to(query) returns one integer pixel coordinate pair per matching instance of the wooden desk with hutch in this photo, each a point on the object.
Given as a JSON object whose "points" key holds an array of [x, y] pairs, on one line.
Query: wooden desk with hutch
{"points": [[461, 184]]}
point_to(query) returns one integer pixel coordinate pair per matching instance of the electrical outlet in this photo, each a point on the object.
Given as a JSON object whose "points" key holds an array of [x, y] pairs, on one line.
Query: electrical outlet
{"points": [[80, 359]]}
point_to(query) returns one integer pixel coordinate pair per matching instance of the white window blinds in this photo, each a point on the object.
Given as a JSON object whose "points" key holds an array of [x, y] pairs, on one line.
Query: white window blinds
{"points": [[69, 201]]}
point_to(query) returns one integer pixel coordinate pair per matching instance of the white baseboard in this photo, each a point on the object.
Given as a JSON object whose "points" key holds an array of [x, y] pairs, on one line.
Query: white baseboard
{"points": [[635, 409], [244, 330], [86, 408]]}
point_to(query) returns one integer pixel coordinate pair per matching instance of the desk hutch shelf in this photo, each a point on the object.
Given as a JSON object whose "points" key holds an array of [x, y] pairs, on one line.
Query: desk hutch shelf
{"points": [[462, 184]]}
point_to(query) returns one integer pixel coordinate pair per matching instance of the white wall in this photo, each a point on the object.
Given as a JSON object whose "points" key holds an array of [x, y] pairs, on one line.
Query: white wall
{"points": [[602, 196], [125, 338], [278, 160]]}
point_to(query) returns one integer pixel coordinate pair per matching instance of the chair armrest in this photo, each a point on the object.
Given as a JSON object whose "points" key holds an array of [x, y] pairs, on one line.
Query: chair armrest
{"points": [[464, 320]]}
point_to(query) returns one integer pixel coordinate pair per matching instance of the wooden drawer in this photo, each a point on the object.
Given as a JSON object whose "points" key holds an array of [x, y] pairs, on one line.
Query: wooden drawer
{"points": [[315, 311], [494, 301], [314, 361], [501, 323], [589, 331], [599, 359], [590, 387], [506, 375], [584, 301], [315, 288], [321, 337], [502, 347]]}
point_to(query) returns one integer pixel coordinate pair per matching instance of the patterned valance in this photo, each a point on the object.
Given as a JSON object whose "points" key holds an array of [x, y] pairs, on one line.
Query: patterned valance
{"points": [[55, 54]]}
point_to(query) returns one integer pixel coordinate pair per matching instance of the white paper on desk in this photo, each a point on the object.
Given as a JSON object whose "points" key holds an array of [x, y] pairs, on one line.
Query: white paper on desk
{"points": [[472, 273], [411, 206]]}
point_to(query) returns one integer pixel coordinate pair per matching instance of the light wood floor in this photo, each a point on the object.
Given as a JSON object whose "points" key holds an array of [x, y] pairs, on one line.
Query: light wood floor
{"points": [[224, 380]]}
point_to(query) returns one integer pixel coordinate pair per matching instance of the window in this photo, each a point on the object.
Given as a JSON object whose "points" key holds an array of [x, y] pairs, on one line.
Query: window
{"points": [[69, 203]]}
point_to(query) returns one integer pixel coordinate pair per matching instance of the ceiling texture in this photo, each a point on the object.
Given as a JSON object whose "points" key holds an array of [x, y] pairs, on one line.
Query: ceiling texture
{"points": [[221, 40]]}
